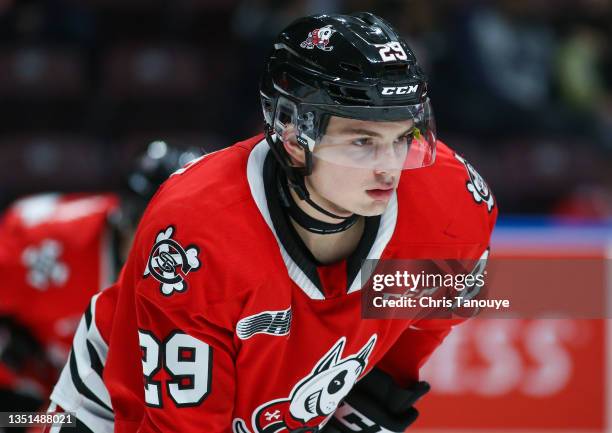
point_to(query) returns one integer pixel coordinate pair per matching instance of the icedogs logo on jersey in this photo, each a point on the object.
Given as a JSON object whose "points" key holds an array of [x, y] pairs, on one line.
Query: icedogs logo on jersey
{"points": [[169, 263], [267, 322], [319, 38], [315, 397], [477, 185]]}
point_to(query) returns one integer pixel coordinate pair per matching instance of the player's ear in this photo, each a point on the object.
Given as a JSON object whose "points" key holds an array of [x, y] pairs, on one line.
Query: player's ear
{"points": [[293, 149]]}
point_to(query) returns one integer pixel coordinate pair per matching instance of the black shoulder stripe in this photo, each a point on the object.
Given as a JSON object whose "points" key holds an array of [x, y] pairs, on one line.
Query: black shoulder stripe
{"points": [[96, 363], [88, 316], [81, 387]]}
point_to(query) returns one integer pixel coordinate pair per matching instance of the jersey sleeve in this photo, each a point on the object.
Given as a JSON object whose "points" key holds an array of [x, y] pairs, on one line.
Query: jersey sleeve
{"points": [[411, 351], [187, 353], [81, 388], [418, 342], [188, 372]]}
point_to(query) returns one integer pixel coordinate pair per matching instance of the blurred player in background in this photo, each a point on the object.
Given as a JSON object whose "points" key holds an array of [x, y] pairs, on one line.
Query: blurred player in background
{"points": [[239, 305], [56, 251]]}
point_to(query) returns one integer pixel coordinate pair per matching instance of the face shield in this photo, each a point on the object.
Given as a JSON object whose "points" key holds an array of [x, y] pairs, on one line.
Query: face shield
{"points": [[378, 138]]}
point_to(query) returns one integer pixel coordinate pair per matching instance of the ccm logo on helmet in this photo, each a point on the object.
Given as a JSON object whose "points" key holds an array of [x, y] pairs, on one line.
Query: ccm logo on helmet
{"points": [[402, 90]]}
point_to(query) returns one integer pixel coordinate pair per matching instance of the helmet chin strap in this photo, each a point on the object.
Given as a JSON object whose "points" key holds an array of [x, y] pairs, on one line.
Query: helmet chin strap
{"points": [[294, 178], [307, 222]]}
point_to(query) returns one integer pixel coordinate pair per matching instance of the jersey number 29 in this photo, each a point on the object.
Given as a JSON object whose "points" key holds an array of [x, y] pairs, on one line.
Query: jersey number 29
{"points": [[188, 362]]}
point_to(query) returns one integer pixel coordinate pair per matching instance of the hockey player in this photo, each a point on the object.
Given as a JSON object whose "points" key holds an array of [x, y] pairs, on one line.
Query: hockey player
{"points": [[239, 306], [56, 251]]}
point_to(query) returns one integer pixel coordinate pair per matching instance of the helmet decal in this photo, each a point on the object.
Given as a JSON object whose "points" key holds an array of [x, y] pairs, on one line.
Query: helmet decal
{"points": [[319, 38]]}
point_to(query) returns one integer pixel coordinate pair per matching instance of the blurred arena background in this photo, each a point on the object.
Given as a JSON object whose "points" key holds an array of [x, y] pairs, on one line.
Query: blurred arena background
{"points": [[523, 88]]}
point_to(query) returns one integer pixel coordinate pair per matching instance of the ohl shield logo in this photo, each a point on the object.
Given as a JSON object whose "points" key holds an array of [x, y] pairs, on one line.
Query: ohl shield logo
{"points": [[170, 263], [275, 323]]}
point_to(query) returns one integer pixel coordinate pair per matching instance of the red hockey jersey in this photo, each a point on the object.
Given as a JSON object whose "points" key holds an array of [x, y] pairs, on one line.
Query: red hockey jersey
{"points": [[221, 323], [54, 255]]}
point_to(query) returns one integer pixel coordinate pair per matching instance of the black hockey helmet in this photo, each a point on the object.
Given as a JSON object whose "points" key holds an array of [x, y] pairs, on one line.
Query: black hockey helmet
{"points": [[153, 166], [353, 66], [145, 174], [141, 178]]}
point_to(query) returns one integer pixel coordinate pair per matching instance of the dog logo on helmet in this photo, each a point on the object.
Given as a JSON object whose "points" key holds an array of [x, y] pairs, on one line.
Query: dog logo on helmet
{"points": [[319, 38]]}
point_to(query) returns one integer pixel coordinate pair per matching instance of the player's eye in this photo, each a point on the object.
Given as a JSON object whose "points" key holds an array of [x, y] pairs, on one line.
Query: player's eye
{"points": [[406, 138], [364, 141]]}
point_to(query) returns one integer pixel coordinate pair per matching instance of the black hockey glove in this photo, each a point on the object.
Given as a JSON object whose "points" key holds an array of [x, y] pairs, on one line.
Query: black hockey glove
{"points": [[377, 404]]}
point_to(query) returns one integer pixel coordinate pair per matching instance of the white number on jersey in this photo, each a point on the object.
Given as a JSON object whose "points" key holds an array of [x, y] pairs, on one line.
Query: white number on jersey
{"points": [[150, 366], [188, 362]]}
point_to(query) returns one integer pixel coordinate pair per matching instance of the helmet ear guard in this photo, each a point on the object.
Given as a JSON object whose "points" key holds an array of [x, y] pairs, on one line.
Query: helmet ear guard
{"points": [[286, 113], [295, 175], [282, 114]]}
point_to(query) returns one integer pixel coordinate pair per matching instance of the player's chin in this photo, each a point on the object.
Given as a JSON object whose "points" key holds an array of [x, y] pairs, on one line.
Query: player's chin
{"points": [[373, 207]]}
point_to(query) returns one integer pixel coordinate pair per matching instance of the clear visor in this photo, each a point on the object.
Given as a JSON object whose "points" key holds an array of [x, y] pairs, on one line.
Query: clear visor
{"points": [[406, 142]]}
